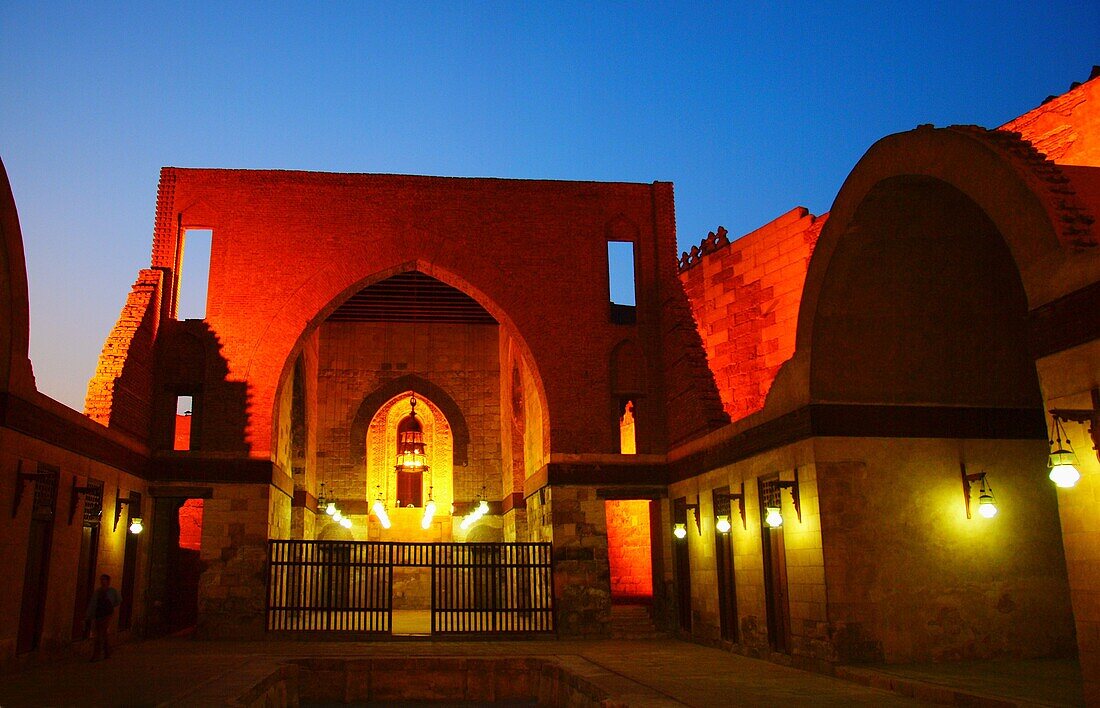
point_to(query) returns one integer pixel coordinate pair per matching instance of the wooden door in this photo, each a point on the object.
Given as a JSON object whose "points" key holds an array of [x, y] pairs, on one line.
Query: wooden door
{"points": [[36, 570], [727, 585], [682, 562], [85, 576], [775, 572]]}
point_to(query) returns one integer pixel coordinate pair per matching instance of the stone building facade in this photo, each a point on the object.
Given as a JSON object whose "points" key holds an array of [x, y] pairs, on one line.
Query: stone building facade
{"points": [[854, 371]]}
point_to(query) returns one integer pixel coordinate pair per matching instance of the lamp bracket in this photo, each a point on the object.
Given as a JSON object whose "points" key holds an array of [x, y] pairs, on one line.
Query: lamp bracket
{"points": [[725, 499], [695, 508], [21, 478], [969, 480], [79, 491], [792, 486], [119, 501], [1084, 415]]}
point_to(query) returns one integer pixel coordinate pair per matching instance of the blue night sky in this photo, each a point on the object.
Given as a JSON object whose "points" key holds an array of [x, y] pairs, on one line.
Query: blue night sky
{"points": [[750, 112]]}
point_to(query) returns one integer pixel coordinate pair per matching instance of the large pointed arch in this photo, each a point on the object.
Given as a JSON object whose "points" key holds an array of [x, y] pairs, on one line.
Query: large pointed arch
{"points": [[1028, 201], [272, 357]]}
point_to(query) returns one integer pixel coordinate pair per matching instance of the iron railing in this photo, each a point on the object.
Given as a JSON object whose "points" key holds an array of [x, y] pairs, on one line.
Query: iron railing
{"points": [[347, 586]]}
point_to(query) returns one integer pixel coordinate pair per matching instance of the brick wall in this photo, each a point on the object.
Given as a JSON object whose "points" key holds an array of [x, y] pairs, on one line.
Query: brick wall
{"points": [[744, 298], [1065, 128], [288, 246], [628, 549], [120, 393]]}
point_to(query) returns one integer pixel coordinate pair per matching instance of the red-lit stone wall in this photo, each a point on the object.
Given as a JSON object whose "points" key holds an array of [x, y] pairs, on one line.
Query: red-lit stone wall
{"points": [[290, 246], [190, 519], [120, 393], [744, 298], [628, 549], [1066, 128]]}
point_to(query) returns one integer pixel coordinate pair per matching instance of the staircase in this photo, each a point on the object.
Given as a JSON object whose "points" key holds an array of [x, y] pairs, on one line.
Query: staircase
{"points": [[633, 622]]}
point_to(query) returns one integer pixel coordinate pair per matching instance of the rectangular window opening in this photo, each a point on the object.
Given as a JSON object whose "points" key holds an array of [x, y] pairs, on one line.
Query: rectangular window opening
{"points": [[627, 445], [194, 275], [181, 436], [620, 276]]}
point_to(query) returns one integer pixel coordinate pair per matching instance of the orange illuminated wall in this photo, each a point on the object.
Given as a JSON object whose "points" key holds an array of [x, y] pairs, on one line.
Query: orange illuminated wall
{"points": [[628, 549], [190, 517], [182, 437], [744, 297]]}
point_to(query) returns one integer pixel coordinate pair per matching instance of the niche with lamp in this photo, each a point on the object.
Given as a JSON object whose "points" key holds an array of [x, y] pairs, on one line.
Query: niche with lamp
{"points": [[1063, 460]]}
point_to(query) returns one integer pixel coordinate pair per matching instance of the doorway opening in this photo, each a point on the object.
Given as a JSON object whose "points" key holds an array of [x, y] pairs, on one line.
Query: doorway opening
{"points": [[630, 551]]}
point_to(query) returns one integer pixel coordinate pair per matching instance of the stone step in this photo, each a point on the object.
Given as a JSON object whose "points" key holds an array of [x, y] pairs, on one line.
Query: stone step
{"points": [[633, 622]]}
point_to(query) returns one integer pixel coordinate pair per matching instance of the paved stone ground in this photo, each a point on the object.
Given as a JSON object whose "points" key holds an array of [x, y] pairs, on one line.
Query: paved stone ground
{"points": [[645, 673]]}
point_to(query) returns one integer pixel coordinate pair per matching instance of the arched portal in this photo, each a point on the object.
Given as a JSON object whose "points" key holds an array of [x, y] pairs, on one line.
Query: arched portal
{"points": [[407, 334], [912, 346], [384, 481]]}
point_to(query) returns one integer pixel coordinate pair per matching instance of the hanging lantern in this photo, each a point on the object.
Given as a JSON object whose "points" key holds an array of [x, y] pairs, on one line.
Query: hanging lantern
{"points": [[411, 455]]}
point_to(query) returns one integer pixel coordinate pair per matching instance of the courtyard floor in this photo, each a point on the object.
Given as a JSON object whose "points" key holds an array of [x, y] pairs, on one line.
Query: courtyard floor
{"points": [[180, 671]]}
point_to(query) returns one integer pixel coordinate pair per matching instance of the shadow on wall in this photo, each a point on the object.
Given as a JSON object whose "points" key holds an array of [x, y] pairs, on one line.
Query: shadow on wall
{"points": [[190, 364]]}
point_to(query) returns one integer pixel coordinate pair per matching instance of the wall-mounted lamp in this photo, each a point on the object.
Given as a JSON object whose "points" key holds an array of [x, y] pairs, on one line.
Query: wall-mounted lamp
{"points": [[1063, 460], [772, 498], [987, 506], [120, 500], [92, 493], [723, 507], [680, 531], [136, 526]]}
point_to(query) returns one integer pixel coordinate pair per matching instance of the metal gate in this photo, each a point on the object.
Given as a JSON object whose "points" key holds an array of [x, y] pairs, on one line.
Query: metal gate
{"points": [[347, 586]]}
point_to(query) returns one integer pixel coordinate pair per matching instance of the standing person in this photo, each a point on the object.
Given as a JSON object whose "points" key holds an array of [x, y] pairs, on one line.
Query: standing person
{"points": [[101, 607]]}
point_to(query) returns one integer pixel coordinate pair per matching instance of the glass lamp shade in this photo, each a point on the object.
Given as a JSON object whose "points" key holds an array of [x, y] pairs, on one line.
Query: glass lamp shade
{"points": [[986, 506], [330, 509], [1063, 468], [345, 522], [773, 517], [680, 531], [723, 524], [136, 526]]}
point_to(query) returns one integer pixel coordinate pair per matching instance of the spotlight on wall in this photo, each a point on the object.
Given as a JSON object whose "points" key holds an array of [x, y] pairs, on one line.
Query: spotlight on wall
{"points": [[136, 526], [680, 531], [987, 506], [474, 516], [429, 512], [379, 510], [723, 507]]}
